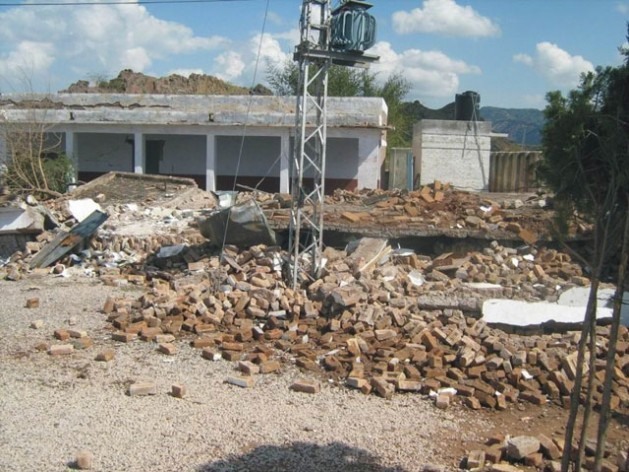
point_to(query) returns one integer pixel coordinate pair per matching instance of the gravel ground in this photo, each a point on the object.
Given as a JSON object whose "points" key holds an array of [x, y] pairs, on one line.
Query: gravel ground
{"points": [[52, 407]]}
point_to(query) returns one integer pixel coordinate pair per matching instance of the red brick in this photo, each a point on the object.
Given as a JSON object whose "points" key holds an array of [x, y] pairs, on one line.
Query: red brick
{"points": [[60, 349], [178, 390], [106, 355], [306, 386]]}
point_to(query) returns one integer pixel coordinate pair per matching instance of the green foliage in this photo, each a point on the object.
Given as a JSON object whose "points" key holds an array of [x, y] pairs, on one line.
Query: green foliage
{"points": [[586, 145], [350, 82], [58, 170]]}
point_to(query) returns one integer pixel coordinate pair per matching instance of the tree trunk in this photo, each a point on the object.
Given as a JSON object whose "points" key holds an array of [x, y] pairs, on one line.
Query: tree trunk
{"points": [[605, 414]]}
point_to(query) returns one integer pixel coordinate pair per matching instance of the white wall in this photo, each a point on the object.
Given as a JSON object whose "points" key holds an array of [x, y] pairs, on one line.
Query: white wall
{"points": [[104, 152], [3, 150], [353, 153], [457, 152], [183, 154], [260, 155]]}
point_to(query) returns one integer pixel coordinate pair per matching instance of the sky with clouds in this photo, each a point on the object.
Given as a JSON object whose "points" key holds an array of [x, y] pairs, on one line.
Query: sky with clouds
{"points": [[510, 51]]}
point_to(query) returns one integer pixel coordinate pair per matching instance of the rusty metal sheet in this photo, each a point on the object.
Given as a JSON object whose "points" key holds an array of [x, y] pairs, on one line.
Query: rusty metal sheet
{"points": [[65, 241]]}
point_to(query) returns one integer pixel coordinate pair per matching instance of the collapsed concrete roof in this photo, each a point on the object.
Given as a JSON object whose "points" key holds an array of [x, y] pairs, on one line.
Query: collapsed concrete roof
{"points": [[369, 112]]}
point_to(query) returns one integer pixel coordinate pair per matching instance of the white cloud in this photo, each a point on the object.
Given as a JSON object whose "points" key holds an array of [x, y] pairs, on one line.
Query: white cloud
{"points": [[230, 65], [555, 64], [27, 59], [444, 17], [623, 8], [524, 59], [430, 73], [270, 49], [97, 37]]}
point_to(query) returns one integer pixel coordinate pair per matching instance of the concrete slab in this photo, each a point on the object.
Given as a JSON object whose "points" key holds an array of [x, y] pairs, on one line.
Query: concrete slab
{"points": [[16, 220], [498, 312], [578, 296]]}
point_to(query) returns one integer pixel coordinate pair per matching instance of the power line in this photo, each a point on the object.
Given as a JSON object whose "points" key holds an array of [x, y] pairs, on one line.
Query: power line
{"points": [[122, 2]]}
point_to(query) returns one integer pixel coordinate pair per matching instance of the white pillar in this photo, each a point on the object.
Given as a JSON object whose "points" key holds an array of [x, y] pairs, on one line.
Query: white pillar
{"points": [[284, 163], [3, 150], [72, 152], [138, 153], [210, 163]]}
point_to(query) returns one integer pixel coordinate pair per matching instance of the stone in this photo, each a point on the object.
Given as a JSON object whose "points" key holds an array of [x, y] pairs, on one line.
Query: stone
{"points": [[124, 337], [503, 467], [548, 447], [84, 460], [306, 386], [269, 367], [442, 401], [178, 390], [243, 381], [60, 349], [534, 460], [32, 303], [77, 333], [142, 388], [105, 355], [382, 387], [248, 368], [61, 334], [167, 348], [519, 447], [37, 324], [476, 459], [211, 354]]}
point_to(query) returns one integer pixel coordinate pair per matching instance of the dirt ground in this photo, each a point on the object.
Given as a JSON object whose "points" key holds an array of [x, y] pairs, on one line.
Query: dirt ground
{"points": [[51, 407]]}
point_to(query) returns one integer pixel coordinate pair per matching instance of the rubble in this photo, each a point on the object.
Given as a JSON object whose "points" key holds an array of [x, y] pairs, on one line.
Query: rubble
{"points": [[84, 460], [376, 332], [507, 453], [379, 319]]}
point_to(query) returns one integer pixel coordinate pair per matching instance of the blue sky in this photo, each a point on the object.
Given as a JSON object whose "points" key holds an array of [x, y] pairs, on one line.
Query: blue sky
{"points": [[510, 51]]}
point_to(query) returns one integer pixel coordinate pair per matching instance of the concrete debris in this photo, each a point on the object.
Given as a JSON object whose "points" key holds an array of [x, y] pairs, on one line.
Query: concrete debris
{"points": [[378, 319], [84, 460], [65, 242], [242, 225], [16, 220], [519, 447], [505, 454], [379, 332], [81, 209], [142, 388]]}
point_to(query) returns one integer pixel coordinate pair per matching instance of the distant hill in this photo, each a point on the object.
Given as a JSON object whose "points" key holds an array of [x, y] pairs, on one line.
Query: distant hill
{"points": [[524, 125]]}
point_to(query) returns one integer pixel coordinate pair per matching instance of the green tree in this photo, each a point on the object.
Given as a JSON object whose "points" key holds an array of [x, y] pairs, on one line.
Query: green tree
{"points": [[586, 163], [351, 82]]}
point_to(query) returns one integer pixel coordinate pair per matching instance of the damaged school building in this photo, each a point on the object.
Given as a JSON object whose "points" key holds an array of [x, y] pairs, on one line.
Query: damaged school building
{"points": [[211, 139]]}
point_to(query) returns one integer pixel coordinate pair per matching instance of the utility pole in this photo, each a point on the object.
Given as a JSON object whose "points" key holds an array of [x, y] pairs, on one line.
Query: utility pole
{"points": [[326, 37]]}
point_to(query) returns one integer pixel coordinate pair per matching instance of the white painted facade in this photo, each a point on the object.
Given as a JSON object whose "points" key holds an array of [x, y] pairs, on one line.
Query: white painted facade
{"points": [[209, 138], [457, 152]]}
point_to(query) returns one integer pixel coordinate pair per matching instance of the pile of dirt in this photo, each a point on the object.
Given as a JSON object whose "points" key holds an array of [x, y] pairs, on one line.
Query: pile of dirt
{"points": [[128, 81]]}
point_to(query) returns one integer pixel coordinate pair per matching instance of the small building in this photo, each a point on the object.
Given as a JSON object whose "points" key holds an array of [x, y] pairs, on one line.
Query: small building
{"points": [[452, 151], [216, 140]]}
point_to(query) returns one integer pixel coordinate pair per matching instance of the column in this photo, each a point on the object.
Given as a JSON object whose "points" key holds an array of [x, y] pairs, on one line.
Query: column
{"points": [[138, 153], [3, 151], [72, 152], [285, 163], [210, 163]]}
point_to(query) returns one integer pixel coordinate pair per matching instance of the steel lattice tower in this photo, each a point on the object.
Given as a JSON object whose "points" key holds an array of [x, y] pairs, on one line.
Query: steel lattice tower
{"points": [[314, 56]]}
